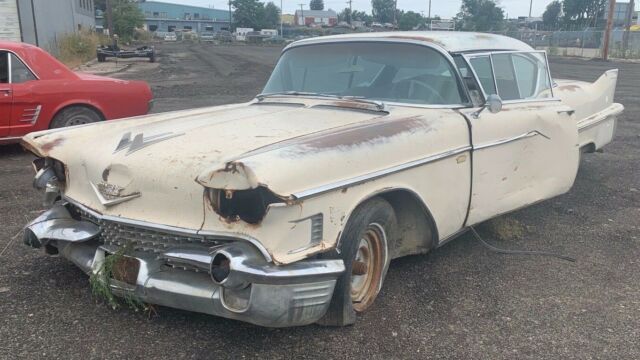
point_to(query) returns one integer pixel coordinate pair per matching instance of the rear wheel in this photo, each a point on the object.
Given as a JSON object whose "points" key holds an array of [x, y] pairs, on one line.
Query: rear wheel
{"points": [[364, 249], [75, 115]]}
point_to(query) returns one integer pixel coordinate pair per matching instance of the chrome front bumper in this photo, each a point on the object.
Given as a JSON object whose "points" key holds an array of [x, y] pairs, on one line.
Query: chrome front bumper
{"points": [[260, 293]]}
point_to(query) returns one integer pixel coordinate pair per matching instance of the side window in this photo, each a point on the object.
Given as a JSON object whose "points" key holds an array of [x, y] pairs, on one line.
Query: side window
{"points": [[482, 66], [4, 67], [505, 77], [526, 75], [19, 71], [518, 75]]}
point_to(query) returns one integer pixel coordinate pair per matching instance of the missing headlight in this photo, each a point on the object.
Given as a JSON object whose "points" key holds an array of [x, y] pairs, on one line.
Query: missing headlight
{"points": [[247, 205]]}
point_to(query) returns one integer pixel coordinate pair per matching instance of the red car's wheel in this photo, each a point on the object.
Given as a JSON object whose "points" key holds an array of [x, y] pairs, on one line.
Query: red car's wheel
{"points": [[76, 115]]}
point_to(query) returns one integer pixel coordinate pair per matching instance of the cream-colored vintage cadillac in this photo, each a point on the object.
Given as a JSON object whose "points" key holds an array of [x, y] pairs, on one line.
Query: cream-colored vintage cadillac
{"points": [[287, 210]]}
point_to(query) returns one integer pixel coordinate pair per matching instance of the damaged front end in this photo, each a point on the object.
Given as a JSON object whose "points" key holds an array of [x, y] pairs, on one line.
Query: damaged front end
{"points": [[224, 275]]}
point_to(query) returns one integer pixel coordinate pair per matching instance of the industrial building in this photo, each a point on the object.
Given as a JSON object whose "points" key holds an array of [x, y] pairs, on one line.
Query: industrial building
{"points": [[316, 18], [168, 17], [43, 22]]}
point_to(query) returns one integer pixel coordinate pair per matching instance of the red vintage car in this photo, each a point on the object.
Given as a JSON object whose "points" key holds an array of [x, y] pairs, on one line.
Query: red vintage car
{"points": [[38, 92]]}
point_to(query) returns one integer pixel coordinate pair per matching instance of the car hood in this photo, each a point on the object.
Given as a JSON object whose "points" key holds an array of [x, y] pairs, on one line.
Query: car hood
{"points": [[162, 156]]}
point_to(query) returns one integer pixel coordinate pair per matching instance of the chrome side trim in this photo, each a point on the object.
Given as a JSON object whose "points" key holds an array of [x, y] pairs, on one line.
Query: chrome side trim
{"points": [[589, 124], [378, 174], [31, 115], [222, 235], [511, 139]]}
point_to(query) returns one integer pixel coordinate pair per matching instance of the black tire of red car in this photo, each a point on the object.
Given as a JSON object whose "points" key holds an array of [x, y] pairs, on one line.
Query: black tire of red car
{"points": [[374, 219], [75, 115]]}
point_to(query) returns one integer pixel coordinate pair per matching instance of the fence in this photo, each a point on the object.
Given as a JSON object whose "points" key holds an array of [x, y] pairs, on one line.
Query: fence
{"points": [[587, 43]]}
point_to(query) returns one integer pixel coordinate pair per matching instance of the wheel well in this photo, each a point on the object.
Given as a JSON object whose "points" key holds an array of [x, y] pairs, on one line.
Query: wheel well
{"points": [[417, 231], [90, 107], [588, 148]]}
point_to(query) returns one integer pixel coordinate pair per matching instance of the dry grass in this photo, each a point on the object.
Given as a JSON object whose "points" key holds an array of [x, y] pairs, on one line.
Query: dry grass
{"points": [[78, 48]]}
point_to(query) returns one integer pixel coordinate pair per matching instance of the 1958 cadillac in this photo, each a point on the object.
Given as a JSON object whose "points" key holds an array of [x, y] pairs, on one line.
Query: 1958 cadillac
{"points": [[287, 210]]}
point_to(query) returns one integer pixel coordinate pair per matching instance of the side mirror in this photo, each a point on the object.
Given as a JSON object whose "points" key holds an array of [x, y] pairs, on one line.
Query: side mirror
{"points": [[493, 103]]}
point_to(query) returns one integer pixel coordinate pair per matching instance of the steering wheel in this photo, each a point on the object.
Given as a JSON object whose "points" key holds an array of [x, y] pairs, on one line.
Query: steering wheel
{"points": [[414, 84]]}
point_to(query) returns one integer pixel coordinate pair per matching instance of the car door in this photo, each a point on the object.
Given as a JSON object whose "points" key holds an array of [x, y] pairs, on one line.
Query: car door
{"points": [[526, 152], [26, 108], [5, 95]]}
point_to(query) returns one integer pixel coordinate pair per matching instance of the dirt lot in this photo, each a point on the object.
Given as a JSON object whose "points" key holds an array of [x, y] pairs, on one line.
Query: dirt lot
{"points": [[459, 301]]}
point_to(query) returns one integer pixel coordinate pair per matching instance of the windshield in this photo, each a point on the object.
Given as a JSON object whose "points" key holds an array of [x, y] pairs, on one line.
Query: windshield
{"points": [[391, 72]]}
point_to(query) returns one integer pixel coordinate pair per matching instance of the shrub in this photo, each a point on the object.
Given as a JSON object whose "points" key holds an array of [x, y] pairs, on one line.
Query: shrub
{"points": [[77, 48]]}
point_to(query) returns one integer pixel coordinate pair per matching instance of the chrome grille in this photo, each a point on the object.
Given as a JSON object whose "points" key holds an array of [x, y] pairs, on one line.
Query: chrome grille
{"points": [[145, 239]]}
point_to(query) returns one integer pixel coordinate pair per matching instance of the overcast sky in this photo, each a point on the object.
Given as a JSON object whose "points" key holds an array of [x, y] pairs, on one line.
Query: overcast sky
{"points": [[444, 8]]}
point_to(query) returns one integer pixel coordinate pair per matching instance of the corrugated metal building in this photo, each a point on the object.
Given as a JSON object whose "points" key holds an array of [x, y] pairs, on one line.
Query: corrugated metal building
{"points": [[163, 17], [43, 22]]}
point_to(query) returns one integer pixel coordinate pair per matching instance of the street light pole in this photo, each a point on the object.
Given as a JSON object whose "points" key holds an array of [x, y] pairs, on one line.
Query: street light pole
{"points": [[281, 34]]}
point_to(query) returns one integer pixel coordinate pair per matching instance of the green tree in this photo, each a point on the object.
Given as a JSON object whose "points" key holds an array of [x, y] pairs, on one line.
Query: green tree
{"points": [[382, 10], [270, 16], [127, 16], [247, 13], [552, 14], [583, 12], [481, 15], [410, 20], [316, 5]]}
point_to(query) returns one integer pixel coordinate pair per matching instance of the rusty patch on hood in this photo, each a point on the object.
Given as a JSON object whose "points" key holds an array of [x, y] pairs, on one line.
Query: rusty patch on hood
{"points": [[50, 145], [367, 133]]}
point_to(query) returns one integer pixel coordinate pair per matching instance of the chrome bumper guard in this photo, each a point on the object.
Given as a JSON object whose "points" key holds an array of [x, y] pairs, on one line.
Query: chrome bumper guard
{"points": [[255, 291]]}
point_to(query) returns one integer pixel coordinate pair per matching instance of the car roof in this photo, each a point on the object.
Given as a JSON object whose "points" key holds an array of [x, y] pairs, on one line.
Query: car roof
{"points": [[451, 41], [15, 45]]}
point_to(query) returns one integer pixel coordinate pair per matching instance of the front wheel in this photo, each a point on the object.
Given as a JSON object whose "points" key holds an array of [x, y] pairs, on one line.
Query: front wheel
{"points": [[75, 115], [364, 248]]}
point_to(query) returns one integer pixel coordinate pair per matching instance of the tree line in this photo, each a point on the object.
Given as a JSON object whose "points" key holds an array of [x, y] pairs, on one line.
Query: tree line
{"points": [[474, 15]]}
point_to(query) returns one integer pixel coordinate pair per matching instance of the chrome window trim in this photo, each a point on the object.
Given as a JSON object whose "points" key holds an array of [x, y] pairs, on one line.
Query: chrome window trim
{"points": [[356, 180], [469, 56], [21, 60], [508, 140], [224, 235], [432, 46]]}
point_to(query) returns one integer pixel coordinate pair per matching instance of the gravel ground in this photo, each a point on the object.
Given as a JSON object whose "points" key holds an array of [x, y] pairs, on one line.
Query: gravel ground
{"points": [[459, 301]]}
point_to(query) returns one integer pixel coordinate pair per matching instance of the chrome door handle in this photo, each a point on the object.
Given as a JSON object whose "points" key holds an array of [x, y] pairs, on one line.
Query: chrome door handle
{"points": [[5, 91], [568, 112]]}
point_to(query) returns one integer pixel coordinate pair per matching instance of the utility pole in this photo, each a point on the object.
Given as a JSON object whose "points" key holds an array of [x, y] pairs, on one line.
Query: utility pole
{"points": [[281, 33], [230, 17], [627, 27], [109, 18], [607, 31], [304, 22], [530, 7], [429, 10], [395, 10], [350, 10]]}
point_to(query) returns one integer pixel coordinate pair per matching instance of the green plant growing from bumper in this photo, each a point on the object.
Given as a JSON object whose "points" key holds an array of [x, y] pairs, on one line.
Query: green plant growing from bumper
{"points": [[100, 283]]}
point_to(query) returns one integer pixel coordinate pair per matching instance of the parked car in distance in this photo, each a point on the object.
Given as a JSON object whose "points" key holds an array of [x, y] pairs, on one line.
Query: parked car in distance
{"points": [[170, 37], [286, 210], [224, 36], [207, 37], [38, 92]]}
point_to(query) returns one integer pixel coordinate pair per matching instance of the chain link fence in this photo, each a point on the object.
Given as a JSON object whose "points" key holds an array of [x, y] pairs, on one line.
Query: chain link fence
{"points": [[587, 43]]}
